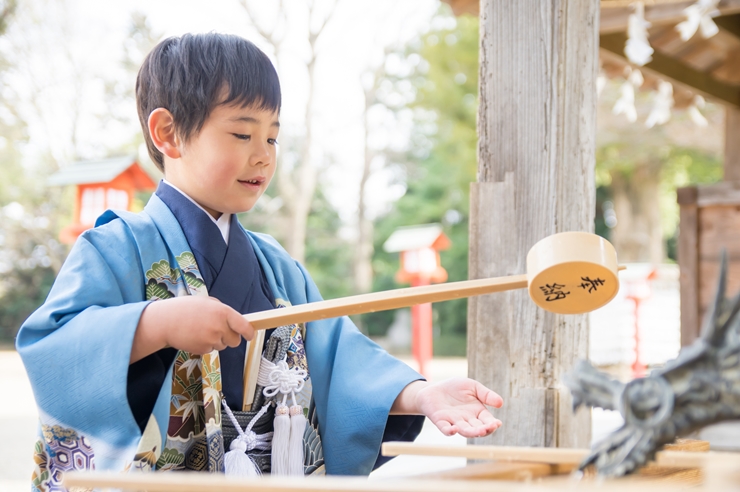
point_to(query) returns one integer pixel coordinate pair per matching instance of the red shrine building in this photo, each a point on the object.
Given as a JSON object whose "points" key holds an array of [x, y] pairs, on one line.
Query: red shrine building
{"points": [[101, 185]]}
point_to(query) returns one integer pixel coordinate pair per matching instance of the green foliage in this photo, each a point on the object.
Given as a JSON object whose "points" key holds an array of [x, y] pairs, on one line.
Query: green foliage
{"points": [[677, 167], [30, 254], [328, 256], [441, 165], [31, 216], [683, 167], [31, 213], [25, 290]]}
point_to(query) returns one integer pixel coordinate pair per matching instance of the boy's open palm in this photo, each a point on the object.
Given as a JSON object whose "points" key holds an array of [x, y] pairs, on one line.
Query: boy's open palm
{"points": [[195, 324], [458, 406]]}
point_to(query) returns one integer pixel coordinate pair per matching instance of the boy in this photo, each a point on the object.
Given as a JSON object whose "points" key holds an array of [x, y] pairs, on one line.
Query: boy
{"points": [[124, 382]]}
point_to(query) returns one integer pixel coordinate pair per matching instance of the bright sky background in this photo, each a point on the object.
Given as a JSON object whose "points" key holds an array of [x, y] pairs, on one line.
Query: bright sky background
{"points": [[66, 49]]}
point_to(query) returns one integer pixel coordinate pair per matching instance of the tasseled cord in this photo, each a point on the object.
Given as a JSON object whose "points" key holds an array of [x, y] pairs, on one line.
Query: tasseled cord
{"points": [[290, 424], [237, 462], [295, 448]]}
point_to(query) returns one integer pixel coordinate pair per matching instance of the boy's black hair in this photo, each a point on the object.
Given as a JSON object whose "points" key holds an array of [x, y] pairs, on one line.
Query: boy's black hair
{"points": [[186, 75]]}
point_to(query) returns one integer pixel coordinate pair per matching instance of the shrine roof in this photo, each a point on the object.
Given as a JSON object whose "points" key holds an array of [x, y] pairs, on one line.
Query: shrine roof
{"points": [[94, 171], [416, 237]]}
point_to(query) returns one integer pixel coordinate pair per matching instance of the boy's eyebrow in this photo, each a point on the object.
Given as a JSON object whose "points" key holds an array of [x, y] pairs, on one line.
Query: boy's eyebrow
{"points": [[249, 119]]}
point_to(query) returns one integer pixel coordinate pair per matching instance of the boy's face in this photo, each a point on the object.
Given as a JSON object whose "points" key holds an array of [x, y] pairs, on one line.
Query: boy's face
{"points": [[227, 166]]}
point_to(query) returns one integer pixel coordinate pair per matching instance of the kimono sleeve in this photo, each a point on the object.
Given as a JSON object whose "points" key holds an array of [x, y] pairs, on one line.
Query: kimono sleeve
{"points": [[76, 346], [355, 383]]}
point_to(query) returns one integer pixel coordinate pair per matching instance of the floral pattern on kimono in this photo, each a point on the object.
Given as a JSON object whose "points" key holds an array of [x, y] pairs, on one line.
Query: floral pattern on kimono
{"points": [[194, 438]]}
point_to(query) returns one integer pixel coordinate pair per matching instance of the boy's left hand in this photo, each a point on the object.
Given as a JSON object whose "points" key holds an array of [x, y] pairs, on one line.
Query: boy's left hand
{"points": [[455, 406]]}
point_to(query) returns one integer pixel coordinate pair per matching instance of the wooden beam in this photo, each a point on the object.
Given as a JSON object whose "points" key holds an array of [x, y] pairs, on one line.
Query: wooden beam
{"points": [[615, 14], [537, 134], [500, 470], [207, 482], [732, 144], [688, 454], [665, 66], [730, 23], [615, 17]]}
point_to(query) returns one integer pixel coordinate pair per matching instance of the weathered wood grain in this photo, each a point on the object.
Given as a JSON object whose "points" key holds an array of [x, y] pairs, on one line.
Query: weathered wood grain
{"points": [[732, 144], [719, 228], [688, 264], [536, 126], [500, 470]]}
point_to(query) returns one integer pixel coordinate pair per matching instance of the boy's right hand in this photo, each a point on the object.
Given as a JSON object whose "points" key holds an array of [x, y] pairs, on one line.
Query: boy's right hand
{"points": [[194, 324]]}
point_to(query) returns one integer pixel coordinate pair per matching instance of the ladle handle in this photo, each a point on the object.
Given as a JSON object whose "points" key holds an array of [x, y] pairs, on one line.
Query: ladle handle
{"points": [[383, 301]]}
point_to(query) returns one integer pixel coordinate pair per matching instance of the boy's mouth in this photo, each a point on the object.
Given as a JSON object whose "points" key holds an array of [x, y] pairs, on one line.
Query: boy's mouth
{"points": [[256, 182]]}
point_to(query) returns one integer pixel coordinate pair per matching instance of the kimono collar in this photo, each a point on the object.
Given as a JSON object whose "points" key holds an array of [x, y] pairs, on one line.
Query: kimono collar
{"points": [[201, 232], [223, 223], [232, 274]]}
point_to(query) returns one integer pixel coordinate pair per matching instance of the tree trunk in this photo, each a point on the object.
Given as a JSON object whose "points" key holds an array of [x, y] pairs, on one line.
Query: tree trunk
{"points": [[638, 235], [536, 125], [299, 184], [363, 253]]}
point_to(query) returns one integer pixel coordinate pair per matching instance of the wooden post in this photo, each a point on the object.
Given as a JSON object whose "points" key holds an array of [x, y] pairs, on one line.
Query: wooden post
{"points": [[688, 263], [537, 126], [732, 143]]}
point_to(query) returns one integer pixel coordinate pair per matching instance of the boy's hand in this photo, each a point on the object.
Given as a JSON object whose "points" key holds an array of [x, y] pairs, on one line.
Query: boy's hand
{"points": [[194, 324], [455, 406]]}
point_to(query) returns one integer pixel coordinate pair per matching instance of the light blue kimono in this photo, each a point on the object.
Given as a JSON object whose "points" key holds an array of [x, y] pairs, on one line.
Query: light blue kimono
{"points": [[76, 349]]}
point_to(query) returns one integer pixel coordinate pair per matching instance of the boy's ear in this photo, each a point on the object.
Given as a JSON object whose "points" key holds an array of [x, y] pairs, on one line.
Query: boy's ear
{"points": [[162, 131]]}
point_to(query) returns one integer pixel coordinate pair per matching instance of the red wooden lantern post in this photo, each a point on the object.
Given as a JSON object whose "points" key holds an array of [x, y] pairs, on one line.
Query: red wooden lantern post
{"points": [[419, 247], [639, 290], [101, 185]]}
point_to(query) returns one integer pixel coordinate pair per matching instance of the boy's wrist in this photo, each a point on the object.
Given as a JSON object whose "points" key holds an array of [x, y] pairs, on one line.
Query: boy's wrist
{"points": [[150, 335], [407, 400]]}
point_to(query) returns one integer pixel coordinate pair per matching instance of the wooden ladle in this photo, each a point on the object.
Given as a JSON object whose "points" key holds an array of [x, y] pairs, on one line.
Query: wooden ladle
{"points": [[567, 273]]}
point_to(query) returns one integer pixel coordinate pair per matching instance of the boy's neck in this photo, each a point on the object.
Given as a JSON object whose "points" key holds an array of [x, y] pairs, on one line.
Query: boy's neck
{"points": [[212, 213], [223, 222]]}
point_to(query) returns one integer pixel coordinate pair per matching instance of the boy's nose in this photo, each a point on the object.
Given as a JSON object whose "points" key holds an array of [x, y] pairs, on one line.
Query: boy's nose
{"points": [[261, 156]]}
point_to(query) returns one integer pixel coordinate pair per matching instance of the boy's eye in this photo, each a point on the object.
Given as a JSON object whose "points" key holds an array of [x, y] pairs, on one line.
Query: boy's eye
{"points": [[272, 141], [241, 136]]}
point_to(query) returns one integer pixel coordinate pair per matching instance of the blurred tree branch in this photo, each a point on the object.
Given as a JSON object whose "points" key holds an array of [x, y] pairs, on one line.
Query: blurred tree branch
{"points": [[7, 9], [296, 185]]}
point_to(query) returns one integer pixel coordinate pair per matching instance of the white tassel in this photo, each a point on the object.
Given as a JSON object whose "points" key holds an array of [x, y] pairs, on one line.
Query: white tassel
{"points": [[297, 429], [290, 424], [281, 441], [237, 462]]}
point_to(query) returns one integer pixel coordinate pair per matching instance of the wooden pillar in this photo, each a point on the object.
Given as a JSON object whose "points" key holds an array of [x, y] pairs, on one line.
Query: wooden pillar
{"points": [[688, 263], [537, 126], [732, 143]]}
